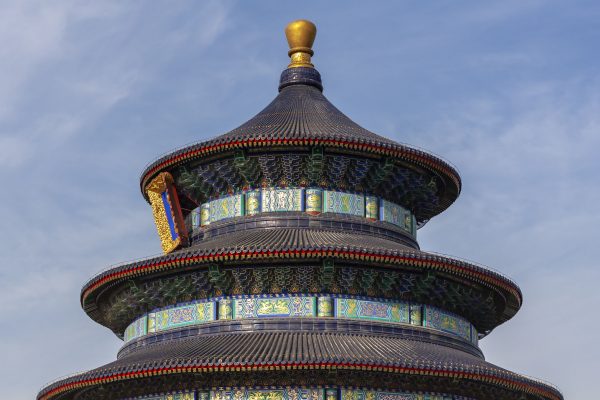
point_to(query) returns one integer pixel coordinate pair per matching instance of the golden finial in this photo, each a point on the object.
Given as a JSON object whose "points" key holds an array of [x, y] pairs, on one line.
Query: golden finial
{"points": [[300, 35]]}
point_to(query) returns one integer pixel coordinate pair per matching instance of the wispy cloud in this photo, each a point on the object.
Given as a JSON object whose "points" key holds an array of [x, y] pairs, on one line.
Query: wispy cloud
{"points": [[90, 92], [67, 70]]}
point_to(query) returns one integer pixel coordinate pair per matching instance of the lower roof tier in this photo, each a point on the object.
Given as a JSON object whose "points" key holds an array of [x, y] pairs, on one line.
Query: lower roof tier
{"points": [[300, 260], [302, 356]]}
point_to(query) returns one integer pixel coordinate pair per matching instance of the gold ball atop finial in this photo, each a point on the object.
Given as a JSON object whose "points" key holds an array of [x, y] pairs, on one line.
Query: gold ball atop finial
{"points": [[300, 35]]}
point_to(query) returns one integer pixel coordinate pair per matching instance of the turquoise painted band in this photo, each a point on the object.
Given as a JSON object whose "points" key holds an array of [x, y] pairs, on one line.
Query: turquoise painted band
{"points": [[286, 306], [310, 200], [299, 393]]}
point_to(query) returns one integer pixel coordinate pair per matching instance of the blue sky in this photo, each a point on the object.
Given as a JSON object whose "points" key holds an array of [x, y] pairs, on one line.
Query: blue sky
{"points": [[507, 91]]}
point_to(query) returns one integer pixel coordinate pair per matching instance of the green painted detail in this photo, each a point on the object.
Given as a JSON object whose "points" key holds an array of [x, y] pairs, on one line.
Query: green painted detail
{"points": [[315, 165], [372, 310], [247, 167], [379, 173], [328, 271], [220, 279]]}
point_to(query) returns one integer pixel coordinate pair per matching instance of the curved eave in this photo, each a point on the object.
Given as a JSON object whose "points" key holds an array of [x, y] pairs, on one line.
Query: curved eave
{"points": [[276, 351], [310, 245], [218, 145]]}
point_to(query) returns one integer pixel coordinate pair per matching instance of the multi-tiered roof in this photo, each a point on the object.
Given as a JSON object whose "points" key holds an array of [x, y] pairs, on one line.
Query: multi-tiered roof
{"points": [[291, 266]]}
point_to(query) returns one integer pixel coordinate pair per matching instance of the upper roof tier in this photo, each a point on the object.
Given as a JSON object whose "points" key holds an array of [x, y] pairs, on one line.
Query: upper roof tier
{"points": [[301, 120]]}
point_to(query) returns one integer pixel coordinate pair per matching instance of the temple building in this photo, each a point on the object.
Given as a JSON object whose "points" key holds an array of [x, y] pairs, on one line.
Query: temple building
{"points": [[292, 271]]}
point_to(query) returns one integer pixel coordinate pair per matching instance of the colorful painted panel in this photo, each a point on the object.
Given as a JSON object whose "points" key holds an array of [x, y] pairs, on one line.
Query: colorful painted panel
{"points": [[205, 214], [325, 307], [196, 218], [190, 314], [226, 207], [361, 394], [438, 319], [167, 212], [172, 396], [268, 394], [282, 200], [314, 201], [343, 203], [225, 309], [151, 322], [253, 202], [371, 207], [372, 310], [275, 307], [397, 215], [136, 329], [416, 314], [474, 336]]}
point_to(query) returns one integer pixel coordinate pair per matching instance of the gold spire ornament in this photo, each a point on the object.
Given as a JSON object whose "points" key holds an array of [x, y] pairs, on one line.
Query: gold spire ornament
{"points": [[300, 35]]}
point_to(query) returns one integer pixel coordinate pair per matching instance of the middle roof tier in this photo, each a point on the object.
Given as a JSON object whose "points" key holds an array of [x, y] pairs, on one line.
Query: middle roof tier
{"points": [[300, 260]]}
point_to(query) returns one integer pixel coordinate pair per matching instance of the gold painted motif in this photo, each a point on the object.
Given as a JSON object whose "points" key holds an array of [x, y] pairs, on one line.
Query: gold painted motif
{"points": [[270, 306], [266, 395], [253, 202], [225, 309], [314, 201], [204, 214], [371, 208], [325, 307]]}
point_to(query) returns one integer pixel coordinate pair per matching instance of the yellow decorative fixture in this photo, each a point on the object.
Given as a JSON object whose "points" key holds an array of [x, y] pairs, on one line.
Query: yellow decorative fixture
{"points": [[300, 35]]}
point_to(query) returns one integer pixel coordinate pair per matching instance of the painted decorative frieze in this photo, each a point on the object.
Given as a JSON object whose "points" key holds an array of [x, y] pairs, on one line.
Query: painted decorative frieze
{"points": [[268, 394], [474, 336], [325, 306], [227, 207], [300, 393], [362, 394], [196, 218], [172, 396], [275, 307], [416, 314], [438, 319], [397, 215], [372, 310], [253, 202], [282, 200], [371, 207], [343, 203], [205, 214], [136, 329], [314, 201], [225, 309], [191, 314]]}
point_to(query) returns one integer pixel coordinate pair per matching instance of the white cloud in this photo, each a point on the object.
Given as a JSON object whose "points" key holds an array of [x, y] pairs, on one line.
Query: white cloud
{"points": [[529, 208]]}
